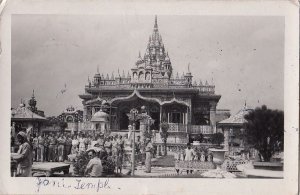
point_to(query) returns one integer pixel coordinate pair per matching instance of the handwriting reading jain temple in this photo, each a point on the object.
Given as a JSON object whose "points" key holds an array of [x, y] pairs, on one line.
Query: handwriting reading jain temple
{"points": [[189, 107]]}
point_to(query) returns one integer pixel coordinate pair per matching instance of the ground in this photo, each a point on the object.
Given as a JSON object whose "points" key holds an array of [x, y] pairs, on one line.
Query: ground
{"points": [[165, 161]]}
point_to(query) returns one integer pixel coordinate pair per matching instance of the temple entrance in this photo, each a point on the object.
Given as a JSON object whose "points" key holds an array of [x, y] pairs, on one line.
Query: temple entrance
{"points": [[124, 121], [175, 113], [124, 107]]}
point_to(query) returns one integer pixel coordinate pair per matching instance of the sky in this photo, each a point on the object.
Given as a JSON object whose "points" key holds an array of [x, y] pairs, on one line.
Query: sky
{"points": [[242, 55]]}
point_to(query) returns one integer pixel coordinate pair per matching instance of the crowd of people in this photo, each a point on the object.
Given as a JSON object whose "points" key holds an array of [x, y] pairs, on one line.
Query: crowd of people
{"points": [[60, 147], [190, 154]]}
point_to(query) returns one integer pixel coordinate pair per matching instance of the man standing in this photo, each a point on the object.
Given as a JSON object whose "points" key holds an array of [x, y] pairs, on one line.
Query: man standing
{"points": [[41, 148], [46, 148], [25, 155], [35, 144], [52, 146], [148, 150], [94, 167], [68, 146], [61, 145], [189, 156], [138, 148]]}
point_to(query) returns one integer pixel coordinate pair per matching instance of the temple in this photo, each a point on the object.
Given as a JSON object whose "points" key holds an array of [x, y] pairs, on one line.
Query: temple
{"points": [[187, 105]]}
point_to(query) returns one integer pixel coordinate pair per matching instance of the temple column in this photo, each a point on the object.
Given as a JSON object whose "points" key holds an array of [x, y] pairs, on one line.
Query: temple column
{"points": [[84, 112], [212, 115], [143, 128], [226, 138], [93, 111], [186, 118], [160, 116]]}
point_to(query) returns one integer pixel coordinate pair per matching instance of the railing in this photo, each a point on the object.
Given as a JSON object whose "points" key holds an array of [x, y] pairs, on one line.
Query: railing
{"points": [[204, 129], [85, 126], [159, 147], [197, 129], [177, 127]]}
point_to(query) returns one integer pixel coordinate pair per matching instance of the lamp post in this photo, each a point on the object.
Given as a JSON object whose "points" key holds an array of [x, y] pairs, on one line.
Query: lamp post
{"points": [[133, 117]]}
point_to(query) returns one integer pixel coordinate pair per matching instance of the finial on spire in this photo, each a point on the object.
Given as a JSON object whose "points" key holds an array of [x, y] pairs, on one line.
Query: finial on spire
{"points": [[33, 93], [245, 104], [97, 68], [200, 82], [155, 24]]}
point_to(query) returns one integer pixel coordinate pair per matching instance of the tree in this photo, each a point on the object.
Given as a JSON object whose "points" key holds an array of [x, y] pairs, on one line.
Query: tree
{"points": [[164, 135], [264, 131], [217, 138]]}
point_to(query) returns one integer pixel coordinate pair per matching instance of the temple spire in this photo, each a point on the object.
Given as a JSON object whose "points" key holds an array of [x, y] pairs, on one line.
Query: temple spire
{"points": [[33, 93], [155, 24]]}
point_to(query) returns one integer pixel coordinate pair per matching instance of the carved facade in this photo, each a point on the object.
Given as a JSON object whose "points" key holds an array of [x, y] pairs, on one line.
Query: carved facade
{"points": [[189, 106]]}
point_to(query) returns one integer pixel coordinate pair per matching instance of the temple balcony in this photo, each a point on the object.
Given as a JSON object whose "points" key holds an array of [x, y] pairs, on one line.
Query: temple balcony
{"points": [[210, 89], [177, 127], [203, 129], [193, 129]]}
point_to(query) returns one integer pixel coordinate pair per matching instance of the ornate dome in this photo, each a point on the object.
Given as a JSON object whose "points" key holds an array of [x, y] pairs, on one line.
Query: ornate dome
{"points": [[100, 116]]}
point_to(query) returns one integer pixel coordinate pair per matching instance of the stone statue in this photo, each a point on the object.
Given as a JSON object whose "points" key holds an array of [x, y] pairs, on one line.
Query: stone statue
{"points": [[210, 157], [202, 157]]}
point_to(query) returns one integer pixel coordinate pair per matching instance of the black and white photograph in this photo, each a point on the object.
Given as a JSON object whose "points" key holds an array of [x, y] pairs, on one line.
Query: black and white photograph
{"points": [[156, 95]]}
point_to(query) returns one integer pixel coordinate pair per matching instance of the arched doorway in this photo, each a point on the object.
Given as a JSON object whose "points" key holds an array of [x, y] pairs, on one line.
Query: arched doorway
{"points": [[124, 105], [124, 121]]}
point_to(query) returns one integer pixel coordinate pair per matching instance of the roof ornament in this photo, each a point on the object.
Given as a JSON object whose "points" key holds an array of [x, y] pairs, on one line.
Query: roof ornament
{"points": [[182, 76], [112, 76], [97, 68], [123, 74], [155, 24], [189, 68], [200, 82]]}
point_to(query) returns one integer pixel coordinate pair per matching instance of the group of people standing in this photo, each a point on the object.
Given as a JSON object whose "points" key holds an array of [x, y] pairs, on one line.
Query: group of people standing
{"points": [[52, 147], [59, 147], [189, 154]]}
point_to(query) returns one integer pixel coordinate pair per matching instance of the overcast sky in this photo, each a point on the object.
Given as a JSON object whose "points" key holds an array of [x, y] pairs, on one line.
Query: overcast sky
{"points": [[244, 55]]}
